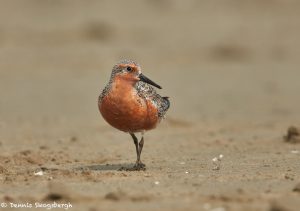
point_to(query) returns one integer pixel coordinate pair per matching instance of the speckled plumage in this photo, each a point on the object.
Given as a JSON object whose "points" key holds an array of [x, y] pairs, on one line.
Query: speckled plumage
{"points": [[148, 92]]}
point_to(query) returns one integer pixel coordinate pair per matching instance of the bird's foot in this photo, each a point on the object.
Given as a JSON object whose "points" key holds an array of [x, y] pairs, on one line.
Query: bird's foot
{"points": [[139, 166]]}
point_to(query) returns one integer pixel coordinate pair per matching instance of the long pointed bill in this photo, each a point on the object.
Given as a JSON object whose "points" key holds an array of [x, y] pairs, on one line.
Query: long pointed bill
{"points": [[148, 81]]}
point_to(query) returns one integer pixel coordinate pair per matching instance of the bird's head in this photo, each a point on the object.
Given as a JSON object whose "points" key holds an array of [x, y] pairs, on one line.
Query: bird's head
{"points": [[130, 71]]}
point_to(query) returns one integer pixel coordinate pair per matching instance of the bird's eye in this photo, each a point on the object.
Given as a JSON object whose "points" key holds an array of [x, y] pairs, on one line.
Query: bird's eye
{"points": [[129, 69]]}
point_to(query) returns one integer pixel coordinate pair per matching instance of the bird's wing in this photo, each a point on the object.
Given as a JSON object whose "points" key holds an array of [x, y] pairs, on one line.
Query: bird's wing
{"points": [[146, 91]]}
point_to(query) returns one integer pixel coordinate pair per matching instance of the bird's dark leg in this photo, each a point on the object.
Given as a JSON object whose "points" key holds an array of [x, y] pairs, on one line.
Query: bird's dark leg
{"points": [[141, 144], [139, 147], [136, 143]]}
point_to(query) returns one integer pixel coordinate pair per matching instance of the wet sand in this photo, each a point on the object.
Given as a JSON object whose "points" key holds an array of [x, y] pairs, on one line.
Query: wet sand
{"points": [[230, 68]]}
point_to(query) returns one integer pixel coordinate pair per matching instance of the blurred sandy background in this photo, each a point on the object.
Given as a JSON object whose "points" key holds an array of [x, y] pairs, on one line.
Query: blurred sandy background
{"points": [[230, 68]]}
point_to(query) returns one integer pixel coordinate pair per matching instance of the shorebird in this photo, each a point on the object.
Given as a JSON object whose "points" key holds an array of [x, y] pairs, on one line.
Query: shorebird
{"points": [[130, 103]]}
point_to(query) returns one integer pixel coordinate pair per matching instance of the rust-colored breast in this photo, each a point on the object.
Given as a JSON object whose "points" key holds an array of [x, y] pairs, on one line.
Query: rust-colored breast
{"points": [[125, 110]]}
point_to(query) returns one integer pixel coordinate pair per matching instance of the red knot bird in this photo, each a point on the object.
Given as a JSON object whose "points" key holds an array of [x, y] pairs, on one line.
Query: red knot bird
{"points": [[130, 103]]}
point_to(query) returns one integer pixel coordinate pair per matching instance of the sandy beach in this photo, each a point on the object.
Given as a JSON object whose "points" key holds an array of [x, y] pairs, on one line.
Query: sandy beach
{"points": [[230, 68]]}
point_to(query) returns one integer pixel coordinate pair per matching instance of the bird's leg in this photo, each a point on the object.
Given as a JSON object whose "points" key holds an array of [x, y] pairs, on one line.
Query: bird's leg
{"points": [[136, 143], [138, 146], [141, 144]]}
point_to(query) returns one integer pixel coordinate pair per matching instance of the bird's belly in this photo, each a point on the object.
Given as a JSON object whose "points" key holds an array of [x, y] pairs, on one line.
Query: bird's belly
{"points": [[129, 113]]}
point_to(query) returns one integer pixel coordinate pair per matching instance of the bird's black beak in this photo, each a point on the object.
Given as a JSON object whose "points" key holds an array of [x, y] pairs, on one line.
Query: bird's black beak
{"points": [[148, 81]]}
